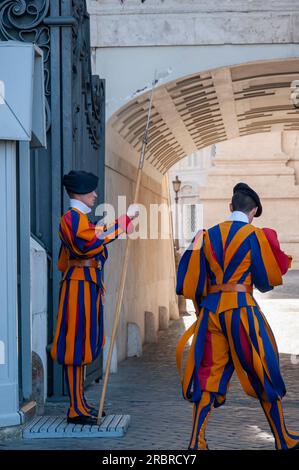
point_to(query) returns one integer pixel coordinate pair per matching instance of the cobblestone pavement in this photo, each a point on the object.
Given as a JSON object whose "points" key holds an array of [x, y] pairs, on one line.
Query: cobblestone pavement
{"points": [[148, 389]]}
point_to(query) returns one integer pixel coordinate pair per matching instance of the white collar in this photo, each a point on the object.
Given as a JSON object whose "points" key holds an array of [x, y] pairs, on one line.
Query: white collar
{"points": [[76, 204], [238, 216]]}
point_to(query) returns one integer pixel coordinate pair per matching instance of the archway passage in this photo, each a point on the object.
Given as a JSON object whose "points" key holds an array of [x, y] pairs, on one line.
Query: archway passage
{"points": [[246, 112], [210, 107]]}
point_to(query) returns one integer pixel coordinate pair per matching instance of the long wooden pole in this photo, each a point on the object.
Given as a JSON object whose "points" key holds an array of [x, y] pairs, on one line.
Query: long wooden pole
{"points": [[125, 264]]}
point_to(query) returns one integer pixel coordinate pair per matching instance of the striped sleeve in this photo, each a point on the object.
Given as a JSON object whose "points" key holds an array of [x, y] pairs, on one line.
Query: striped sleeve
{"points": [[265, 270], [121, 225], [84, 238], [192, 273], [284, 261]]}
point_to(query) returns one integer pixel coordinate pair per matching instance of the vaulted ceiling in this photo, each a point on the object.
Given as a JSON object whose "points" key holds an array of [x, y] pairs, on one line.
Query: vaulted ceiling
{"points": [[209, 107]]}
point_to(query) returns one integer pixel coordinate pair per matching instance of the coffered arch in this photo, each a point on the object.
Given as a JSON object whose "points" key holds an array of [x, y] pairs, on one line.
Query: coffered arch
{"points": [[208, 107]]}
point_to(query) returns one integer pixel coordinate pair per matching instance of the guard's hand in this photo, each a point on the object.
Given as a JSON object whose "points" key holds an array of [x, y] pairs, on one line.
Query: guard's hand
{"points": [[133, 211], [101, 227]]}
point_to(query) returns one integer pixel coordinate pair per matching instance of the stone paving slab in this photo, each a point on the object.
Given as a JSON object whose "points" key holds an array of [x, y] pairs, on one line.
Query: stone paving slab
{"points": [[148, 389]]}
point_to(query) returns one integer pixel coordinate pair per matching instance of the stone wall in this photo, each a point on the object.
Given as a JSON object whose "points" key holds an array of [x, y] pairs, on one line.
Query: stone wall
{"points": [[130, 42], [150, 280], [177, 22], [38, 295]]}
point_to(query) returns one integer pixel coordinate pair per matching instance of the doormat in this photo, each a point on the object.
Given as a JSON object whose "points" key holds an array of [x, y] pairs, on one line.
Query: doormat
{"points": [[56, 427]]}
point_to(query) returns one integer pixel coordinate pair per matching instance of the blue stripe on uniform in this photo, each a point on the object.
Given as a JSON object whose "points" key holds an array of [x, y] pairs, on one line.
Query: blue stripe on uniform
{"points": [[234, 228], [79, 346], [93, 319], [202, 278], [236, 260], [183, 266], [258, 270], [216, 242], [61, 342]]}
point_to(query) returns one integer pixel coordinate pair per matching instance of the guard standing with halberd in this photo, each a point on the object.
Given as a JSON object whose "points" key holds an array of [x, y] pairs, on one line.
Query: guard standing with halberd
{"points": [[79, 335]]}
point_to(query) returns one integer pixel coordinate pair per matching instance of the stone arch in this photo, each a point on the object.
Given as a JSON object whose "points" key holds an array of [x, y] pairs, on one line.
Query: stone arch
{"points": [[214, 107], [209, 107], [193, 112]]}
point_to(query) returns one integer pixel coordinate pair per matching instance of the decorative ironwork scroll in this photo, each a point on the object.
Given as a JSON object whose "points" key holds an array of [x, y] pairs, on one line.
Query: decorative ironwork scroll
{"points": [[91, 88]]}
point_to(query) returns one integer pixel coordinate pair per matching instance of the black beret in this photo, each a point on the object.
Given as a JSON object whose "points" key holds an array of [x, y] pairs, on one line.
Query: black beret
{"points": [[80, 182], [245, 189]]}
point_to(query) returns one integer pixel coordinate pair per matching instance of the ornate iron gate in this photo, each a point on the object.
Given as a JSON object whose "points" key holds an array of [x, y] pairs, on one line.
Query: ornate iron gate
{"points": [[75, 108]]}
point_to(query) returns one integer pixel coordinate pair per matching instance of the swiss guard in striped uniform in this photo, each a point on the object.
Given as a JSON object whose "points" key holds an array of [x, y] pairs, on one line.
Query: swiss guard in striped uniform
{"points": [[79, 335], [218, 273]]}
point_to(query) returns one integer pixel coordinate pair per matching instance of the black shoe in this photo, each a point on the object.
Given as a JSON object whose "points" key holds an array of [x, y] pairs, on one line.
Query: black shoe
{"points": [[91, 420]]}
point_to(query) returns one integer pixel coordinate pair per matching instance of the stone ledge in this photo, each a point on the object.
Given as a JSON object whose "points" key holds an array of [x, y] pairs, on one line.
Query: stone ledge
{"points": [[189, 29], [158, 6]]}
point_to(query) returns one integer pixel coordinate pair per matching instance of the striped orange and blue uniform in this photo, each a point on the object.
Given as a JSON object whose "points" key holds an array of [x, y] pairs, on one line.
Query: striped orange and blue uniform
{"points": [[231, 332], [79, 334]]}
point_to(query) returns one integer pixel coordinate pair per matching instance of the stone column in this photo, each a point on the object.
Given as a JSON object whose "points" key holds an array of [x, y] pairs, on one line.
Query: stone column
{"points": [[9, 388]]}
